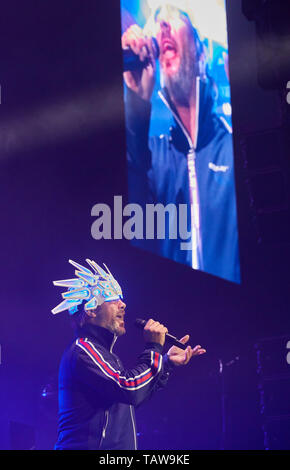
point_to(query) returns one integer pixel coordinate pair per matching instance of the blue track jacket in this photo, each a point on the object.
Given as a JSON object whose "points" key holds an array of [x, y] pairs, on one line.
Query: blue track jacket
{"points": [[97, 395], [158, 173]]}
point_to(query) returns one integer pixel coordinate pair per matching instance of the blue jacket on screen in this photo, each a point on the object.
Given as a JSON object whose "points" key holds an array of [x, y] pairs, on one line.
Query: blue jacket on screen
{"points": [[158, 173], [97, 395]]}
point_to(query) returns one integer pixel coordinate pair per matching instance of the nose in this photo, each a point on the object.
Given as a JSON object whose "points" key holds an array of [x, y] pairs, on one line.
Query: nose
{"points": [[122, 304], [163, 17], [164, 26]]}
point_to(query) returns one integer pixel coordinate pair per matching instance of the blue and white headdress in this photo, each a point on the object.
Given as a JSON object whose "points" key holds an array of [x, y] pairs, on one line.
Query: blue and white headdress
{"points": [[94, 286]]}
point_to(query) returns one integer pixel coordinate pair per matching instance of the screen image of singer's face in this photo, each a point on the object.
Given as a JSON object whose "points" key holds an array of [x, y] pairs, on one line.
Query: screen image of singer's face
{"points": [[178, 56], [110, 315]]}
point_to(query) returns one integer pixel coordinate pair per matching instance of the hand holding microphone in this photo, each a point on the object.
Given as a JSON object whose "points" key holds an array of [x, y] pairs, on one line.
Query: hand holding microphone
{"points": [[140, 78], [179, 353], [154, 332], [170, 338]]}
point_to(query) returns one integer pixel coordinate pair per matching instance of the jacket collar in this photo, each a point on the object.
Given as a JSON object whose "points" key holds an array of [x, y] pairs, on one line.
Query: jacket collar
{"points": [[97, 334], [205, 117]]}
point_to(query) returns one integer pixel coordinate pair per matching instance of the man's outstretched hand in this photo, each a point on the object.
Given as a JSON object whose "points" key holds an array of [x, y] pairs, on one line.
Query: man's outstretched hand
{"points": [[180, 357]]}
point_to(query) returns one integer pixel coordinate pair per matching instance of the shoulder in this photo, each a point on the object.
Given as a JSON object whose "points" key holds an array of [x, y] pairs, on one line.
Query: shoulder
{"points": [[223, 137], [84, 345], [92, 352]]}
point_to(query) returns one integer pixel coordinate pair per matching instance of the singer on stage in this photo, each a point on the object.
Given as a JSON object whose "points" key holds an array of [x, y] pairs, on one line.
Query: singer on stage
{"points": [[97, 395], [192, 162]]}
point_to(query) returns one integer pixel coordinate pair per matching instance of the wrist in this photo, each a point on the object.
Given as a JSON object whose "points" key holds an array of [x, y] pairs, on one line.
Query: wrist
{"points": [[169, 365], [154, 346]]}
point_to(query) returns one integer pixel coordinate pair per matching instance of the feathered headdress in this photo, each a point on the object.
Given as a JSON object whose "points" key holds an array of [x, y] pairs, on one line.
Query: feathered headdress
{"points": [[94, 286]]}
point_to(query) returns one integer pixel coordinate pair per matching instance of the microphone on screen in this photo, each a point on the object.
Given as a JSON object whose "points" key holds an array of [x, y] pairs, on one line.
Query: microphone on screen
{"points": [[139, 323], [132, 62]]}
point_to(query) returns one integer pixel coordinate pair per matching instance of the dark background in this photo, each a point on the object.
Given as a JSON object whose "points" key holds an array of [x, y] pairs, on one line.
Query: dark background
{"points": [[62, 150]]}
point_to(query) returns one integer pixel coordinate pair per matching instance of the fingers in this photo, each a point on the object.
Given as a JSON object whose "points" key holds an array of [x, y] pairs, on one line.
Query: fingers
{"points": [[190, 352], [134, 39], [141, 80], [140, 44], [198, 350], [155, 332], [184, 339], [149, 322], [155, 327]]}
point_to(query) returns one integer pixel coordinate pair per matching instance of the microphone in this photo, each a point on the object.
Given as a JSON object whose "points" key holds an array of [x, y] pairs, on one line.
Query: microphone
{"points": [[131, 61], [139, 323]]}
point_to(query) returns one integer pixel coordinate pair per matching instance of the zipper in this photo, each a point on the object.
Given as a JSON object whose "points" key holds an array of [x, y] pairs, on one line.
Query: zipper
{"points": [[134, 428], [194, 210], [113, 342], [196, 247], [106, 420]]}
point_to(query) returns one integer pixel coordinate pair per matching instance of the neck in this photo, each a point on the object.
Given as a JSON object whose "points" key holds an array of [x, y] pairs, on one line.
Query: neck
{"points": [[92, 331], [187, 113]]}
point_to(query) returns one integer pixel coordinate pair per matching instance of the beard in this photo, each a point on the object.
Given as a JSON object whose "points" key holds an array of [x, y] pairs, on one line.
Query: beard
{"points": [[116, 329], [180, 84]]}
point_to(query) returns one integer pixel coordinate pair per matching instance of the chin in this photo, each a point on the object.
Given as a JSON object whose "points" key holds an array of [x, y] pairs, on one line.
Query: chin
{"points": [[171, 67], [120, 331]]}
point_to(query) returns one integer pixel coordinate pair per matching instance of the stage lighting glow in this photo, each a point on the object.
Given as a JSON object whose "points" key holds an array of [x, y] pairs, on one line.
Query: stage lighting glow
{"points": [[59, 121]]}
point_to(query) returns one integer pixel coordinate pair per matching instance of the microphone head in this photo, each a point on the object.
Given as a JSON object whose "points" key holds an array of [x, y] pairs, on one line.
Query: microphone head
{"points": [[131, 61], [140, 323], [155, 47]]}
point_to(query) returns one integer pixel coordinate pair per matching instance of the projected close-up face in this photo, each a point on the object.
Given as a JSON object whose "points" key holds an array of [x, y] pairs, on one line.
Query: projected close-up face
{"points": [[174, 39], [178, 56]]}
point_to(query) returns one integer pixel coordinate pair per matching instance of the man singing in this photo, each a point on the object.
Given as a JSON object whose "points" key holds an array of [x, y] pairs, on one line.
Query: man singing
{"points": [[97, 395], [192, 164]]}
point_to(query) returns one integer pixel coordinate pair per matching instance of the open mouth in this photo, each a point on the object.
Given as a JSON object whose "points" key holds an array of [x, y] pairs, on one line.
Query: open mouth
{"points": [[168, 48]]}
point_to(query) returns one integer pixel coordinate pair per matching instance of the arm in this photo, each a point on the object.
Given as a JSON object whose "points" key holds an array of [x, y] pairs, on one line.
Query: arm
{"points": [[140, 81], [139, 88], [137, 114], [131, 386]]}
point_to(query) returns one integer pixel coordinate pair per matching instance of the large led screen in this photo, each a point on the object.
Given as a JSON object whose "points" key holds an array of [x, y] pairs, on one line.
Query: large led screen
{"points": [[181, 182]]}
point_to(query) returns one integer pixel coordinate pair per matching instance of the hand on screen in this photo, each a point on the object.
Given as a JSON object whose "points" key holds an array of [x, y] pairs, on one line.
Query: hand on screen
{"points": [[141, 82]]}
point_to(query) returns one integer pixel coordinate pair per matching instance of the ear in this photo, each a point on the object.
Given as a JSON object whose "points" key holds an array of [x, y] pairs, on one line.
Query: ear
{"points": [[91, 313]]}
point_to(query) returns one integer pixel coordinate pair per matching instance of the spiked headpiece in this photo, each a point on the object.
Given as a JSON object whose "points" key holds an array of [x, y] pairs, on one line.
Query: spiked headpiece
{"points": [[93, 286]]}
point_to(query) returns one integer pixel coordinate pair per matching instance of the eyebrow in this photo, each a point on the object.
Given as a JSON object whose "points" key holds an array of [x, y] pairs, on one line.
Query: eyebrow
{"points": [[157, 13], [182, 15]]}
